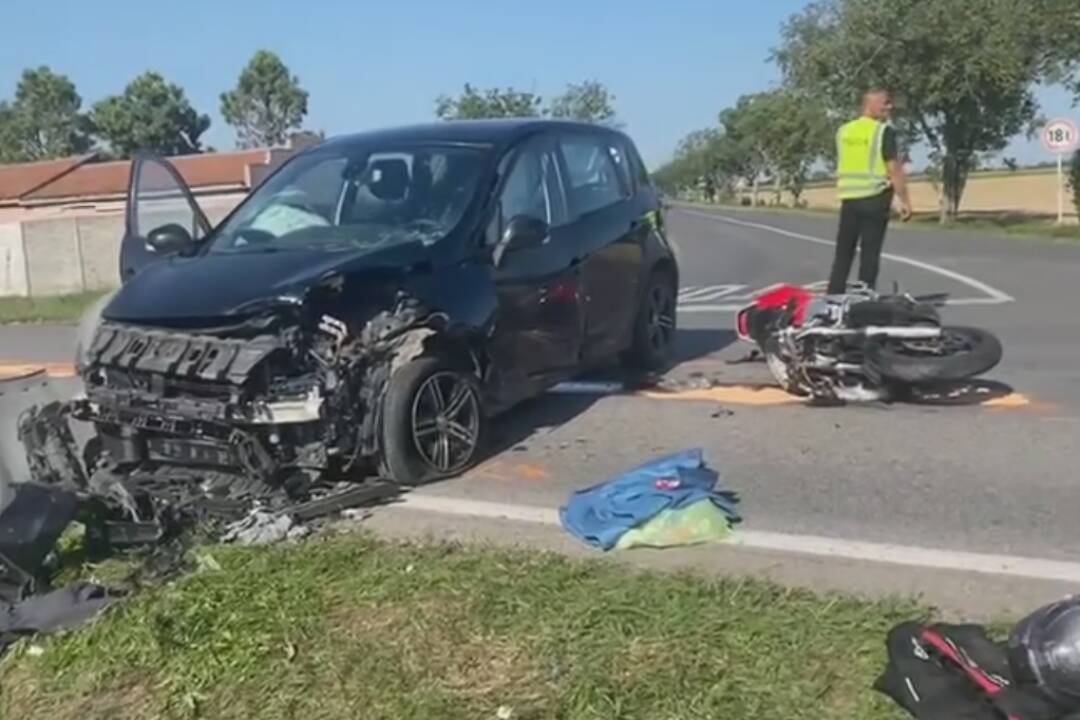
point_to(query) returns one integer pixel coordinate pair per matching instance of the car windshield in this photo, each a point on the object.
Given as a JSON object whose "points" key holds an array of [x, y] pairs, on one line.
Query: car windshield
{"points": [[355, 197]]}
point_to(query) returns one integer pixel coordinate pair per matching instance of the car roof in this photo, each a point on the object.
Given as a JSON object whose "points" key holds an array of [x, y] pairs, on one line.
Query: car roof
{"points": [[499, 133]]}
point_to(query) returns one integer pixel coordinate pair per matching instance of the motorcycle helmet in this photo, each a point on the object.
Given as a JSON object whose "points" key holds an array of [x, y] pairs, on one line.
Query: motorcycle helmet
{"points": [[1044, 651]]}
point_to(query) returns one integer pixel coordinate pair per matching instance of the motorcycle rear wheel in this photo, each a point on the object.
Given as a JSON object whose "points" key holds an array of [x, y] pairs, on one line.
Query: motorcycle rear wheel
{"points": [[960, 353]]}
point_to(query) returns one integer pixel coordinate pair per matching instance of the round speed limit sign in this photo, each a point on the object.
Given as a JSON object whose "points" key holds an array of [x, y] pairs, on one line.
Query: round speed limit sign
{"points": [[1061, 136]]}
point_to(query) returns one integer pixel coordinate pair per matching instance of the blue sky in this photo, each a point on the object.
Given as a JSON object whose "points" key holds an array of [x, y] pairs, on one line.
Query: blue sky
{"points": [[671, 65]]}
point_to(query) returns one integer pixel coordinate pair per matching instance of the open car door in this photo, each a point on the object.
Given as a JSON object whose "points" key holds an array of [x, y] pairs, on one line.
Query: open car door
{"points": [[157, 196]]}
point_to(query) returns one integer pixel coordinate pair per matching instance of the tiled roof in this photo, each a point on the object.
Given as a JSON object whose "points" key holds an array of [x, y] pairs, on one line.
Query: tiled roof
{"points": [[76, 178], [17, 180]]}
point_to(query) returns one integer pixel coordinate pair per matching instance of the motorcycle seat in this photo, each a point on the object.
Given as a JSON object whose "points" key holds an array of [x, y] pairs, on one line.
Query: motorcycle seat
{"points": [[886, 313]]}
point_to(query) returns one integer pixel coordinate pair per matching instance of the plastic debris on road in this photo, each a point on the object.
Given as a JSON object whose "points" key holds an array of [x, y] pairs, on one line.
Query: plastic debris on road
{"points": [[702, 522], [664, 491]]}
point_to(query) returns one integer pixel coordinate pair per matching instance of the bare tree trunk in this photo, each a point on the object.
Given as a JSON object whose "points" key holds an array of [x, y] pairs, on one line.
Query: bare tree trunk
{"points": [[954, 175]]}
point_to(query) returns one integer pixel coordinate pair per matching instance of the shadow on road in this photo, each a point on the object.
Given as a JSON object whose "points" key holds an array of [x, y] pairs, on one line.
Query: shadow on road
{"points": [[968, 392], [519, 424], [693, 344]]}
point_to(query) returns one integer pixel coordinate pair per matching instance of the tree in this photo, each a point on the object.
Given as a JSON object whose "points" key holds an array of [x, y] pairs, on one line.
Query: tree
{"points": [[962, 72], [589, 101], [749, 149], [780, 135], [266, 104], [1061, 29], [44, 121], [474, 103], [151, 114], [697, 166]]}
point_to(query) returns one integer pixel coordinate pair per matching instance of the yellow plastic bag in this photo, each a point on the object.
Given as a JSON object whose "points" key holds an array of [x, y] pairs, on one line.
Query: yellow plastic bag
{"points": [[702, 522]]}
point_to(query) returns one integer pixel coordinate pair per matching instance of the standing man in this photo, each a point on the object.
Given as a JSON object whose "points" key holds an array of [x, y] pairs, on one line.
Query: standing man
{"points": [[869, 174]]}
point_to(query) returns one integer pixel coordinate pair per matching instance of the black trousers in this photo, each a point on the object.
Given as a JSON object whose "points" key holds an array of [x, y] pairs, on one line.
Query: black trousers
{"points": [[863, 223]]}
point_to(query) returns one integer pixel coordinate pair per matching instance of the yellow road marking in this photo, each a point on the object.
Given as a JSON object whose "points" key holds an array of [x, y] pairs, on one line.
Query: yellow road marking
{"points": [[766, 396], [10, 370], [733, 394], [755, 395], [1008, 401]]}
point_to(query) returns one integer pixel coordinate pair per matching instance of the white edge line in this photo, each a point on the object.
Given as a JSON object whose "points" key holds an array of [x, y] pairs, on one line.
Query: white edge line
{"points": [[994, 296], [985, 564], [693, 308]]}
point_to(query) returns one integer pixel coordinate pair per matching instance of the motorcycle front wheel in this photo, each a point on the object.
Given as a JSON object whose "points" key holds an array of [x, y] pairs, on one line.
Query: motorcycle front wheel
{"points": [[958, 354], [779, 367]]}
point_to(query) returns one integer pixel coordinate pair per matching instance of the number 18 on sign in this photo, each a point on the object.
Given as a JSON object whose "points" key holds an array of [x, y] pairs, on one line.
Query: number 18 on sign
{"points": [[1061, 137]]}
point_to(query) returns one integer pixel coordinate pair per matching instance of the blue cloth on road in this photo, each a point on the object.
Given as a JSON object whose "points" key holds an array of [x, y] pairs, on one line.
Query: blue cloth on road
{"points": [[601, 514]]}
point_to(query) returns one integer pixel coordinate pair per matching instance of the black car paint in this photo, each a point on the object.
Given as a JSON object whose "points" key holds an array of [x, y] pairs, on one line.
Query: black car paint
{"points": [[540, 314]]}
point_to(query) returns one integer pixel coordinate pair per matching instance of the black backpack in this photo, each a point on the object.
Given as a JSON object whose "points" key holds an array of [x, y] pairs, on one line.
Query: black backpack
{"points": [[957, 672]]}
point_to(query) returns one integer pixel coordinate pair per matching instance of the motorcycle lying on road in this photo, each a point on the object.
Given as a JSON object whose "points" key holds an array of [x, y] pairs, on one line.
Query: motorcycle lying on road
{"points": [[864, 346]]}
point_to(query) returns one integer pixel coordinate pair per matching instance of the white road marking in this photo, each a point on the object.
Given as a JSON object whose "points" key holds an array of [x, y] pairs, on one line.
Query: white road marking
{"points": [[709, 308], [707, 293], [937, 559], [994, 296], [717, 292], [694, 299]]}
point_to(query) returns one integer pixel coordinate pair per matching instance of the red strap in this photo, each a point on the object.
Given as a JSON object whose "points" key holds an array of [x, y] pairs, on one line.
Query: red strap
{"points": [[977, 675]]}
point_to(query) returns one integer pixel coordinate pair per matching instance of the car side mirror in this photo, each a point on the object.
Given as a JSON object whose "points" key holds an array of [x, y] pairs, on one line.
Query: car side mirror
{"points": [[170, 239], [524, 232]]}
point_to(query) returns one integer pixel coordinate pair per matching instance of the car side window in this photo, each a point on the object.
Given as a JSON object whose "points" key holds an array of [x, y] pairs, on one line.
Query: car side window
{"points": [[641, 173], [533, 188], [592, 178], [622, 167]]}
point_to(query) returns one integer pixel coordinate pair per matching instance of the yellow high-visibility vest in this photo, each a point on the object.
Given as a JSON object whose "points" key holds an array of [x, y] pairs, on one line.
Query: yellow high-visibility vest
{"points": [[861, 171]]}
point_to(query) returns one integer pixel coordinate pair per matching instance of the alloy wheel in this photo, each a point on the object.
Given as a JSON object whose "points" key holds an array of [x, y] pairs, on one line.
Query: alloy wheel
{"points": [[446, 422], [661, 318]]}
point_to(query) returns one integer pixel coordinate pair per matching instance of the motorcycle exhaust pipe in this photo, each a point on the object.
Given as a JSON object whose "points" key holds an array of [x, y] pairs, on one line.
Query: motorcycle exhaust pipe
{"points": [[906, 333]]}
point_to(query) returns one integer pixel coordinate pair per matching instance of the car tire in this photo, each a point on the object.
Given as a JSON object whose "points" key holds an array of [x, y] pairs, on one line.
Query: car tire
{"points": [[422, 443], [656, 325]]}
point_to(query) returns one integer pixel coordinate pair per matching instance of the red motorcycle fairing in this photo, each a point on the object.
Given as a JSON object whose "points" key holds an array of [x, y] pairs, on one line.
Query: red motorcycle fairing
{"points": [[777, 298]]}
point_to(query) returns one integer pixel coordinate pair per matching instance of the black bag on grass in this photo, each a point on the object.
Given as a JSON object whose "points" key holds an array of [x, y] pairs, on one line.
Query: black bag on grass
{"points": [[957, 672]]}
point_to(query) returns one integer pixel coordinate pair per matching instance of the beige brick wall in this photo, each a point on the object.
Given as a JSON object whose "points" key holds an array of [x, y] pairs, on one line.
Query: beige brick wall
{"points": [[100, 238], [52, 251], [12, 261], [52, 257]]}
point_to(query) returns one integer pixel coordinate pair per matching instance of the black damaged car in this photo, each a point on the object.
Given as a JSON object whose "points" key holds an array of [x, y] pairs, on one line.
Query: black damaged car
{"points": [[375, 301]]}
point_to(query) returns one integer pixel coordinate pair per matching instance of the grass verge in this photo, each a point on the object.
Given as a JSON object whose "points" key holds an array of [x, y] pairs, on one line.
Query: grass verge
{"points": [[57, 308], [346, 626], [1008, 224]]}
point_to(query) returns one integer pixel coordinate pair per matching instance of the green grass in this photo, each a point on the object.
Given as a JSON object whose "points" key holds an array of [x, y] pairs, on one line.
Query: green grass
{"points": [[345, 626], [56, 308], [1007, 223], [1010, 224]]}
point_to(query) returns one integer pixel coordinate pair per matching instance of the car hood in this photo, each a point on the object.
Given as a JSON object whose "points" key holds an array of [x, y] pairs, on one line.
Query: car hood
{"points": [[221, 286]]}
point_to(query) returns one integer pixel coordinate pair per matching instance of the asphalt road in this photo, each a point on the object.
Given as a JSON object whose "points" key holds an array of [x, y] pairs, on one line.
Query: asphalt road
{"points": [[988, 480], [1000, 480]]}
